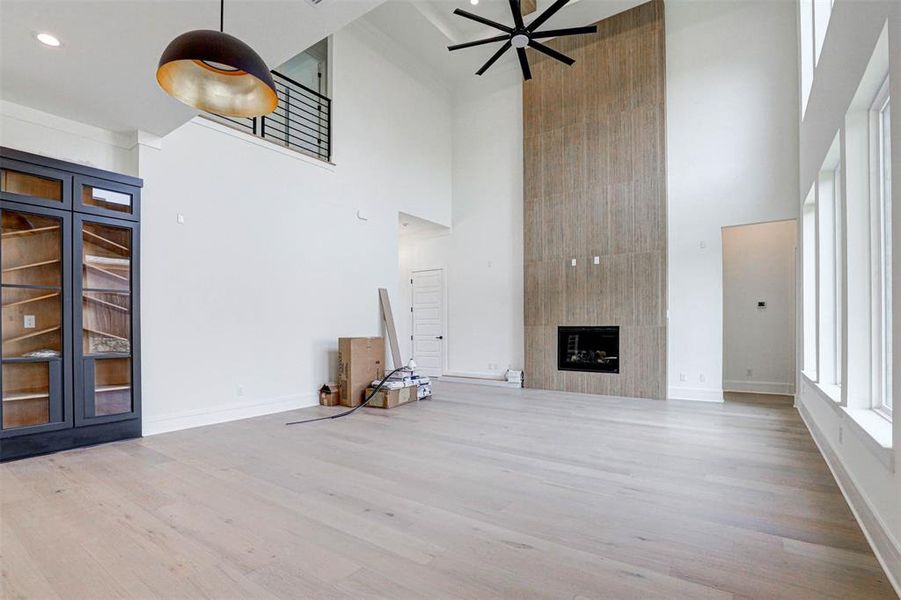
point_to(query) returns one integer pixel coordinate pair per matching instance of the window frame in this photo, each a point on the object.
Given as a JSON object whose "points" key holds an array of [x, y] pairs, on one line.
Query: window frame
{"points": [[881, 254], [838, 202]]}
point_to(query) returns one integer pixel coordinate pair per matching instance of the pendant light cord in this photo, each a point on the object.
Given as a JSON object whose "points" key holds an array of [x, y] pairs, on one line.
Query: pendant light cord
{"points": [[221, 16]]}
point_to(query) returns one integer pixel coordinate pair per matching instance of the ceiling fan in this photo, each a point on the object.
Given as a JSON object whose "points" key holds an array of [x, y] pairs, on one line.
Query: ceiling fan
{"points": [[521, 35]]}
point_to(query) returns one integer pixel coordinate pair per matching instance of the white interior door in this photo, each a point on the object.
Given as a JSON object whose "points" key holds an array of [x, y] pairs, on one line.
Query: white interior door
{"points": [[428, 321]]}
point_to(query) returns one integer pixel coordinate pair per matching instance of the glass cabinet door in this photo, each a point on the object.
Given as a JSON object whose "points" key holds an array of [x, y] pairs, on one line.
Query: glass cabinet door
{"points": [[32, 184], [105, 362], [106, 198], [34, 245]]}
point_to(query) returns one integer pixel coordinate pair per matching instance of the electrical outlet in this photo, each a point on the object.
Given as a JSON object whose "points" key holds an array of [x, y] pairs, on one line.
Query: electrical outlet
{"points": [[180, 219], [240, 390], [683, 377], [749, 373], [597, 260], [29, 322], [701, 378], [573, 262]]}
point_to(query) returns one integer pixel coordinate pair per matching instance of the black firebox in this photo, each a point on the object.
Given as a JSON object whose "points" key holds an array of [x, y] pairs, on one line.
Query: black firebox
{"points": [[594, 349]]}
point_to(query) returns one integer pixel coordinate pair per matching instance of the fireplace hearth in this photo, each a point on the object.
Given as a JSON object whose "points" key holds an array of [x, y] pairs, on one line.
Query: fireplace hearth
{"points": [[594, 349]]}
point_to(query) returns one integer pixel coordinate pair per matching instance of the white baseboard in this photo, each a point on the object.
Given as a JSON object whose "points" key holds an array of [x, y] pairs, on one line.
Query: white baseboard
{"points": [[885, 547], [478, 379], [695, 394], [223, 414], [760, 387]]}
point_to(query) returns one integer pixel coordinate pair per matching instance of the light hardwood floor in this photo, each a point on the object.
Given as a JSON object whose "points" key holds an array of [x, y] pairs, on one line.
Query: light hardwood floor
{"points": [[482, 492]]}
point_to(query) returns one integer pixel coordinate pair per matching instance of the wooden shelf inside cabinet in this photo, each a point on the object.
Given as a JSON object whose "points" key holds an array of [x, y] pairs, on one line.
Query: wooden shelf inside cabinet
{"points": [[104, 271], [30, 359], [25, 232], [111, 388], [107, 334], [42, 263], [100, 355], [105, 242], [32, 334], [25, 396], [109, 305], [30, 300]]}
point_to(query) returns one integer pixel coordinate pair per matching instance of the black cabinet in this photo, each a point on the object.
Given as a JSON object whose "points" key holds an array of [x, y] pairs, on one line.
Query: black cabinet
{"points": [[69, 256]]}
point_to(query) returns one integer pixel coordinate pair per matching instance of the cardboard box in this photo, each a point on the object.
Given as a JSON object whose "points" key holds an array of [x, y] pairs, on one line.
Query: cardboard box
{"points": [[392, 398], [360, 361], [329, 395]]}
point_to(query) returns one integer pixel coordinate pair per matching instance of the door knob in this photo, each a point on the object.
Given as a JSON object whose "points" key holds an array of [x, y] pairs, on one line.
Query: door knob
{"points": [[439, 337]]}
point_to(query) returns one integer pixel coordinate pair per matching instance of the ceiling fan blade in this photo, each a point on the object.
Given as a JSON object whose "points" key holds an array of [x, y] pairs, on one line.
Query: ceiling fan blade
{"points": [[482, 20], [516, 9], [552, 9], [499, 38], [494, 58], [551, 52], [562, 32], [524, 63]]}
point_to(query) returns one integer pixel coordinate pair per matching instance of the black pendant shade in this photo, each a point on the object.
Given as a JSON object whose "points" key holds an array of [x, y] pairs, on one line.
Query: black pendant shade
{"points": [[218, 73]]}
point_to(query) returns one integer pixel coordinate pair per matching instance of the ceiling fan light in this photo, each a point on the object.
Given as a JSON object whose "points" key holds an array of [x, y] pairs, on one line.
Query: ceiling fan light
{"points": [[218, 73]]}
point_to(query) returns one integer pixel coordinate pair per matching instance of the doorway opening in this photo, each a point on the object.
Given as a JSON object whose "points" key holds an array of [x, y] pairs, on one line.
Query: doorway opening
{"points": [[422, 332], [759, 288]]}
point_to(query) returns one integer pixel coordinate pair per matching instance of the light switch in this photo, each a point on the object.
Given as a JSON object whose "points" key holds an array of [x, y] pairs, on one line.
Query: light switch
{"points": [[180, 218], [573, 262], [702, 245], [597, 260], [29, 322]]}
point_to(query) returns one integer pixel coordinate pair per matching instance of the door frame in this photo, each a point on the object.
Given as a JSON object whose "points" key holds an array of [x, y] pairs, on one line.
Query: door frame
{"points": [[82, 414], [794, 302], [444, 314], [62, 365]]}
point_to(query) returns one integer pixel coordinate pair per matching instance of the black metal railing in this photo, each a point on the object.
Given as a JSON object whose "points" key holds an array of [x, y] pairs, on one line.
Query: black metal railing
{"points": [[302, 121]]}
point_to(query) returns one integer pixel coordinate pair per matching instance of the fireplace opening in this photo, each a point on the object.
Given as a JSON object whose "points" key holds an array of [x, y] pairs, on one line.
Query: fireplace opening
{"points": [[594, 349]]}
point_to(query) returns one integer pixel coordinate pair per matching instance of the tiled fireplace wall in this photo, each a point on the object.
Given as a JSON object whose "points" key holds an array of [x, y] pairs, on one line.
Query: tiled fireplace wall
{"points": [[595, 193]]}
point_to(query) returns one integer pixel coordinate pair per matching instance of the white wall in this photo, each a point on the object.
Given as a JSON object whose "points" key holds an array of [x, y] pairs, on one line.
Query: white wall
{"points": [[482, 255], [35, 131], [869, 469], [242, 304], [732, 158], [759, 344]]}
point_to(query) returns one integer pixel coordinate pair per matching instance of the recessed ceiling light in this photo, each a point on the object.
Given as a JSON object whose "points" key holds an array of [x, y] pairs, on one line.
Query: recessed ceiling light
{"points": [[473, 2], [48, 39]]}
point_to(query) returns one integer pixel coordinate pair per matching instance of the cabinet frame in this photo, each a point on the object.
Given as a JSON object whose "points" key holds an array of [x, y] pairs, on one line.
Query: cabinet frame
{"points": [[106, 184], [84, 396], [40, 171], [60, 369], [74, 431]]}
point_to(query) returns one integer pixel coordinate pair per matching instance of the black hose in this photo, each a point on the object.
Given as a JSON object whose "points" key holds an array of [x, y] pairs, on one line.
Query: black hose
{"points": [[356, 408]]}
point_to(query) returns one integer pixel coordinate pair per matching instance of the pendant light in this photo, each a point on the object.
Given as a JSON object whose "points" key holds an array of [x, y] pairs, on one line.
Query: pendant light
{"points": [[218, 73]]}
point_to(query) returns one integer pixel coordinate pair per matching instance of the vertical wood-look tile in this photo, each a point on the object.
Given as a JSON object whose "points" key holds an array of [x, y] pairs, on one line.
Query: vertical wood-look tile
{"points": [[595, 185]]}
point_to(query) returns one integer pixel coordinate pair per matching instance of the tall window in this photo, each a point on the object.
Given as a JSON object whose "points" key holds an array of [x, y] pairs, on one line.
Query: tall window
{"points": [[813, 18], [880, 116], [827, 256], [809, 291], [838, 268]]}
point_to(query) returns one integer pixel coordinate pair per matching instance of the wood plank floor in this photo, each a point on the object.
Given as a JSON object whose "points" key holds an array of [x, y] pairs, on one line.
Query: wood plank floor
{"points": [[480, 493]]}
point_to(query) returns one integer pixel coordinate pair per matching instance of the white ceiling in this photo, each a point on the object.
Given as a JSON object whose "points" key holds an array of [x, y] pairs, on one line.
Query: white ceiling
{"points": [[104, 73], [424, 28]]}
